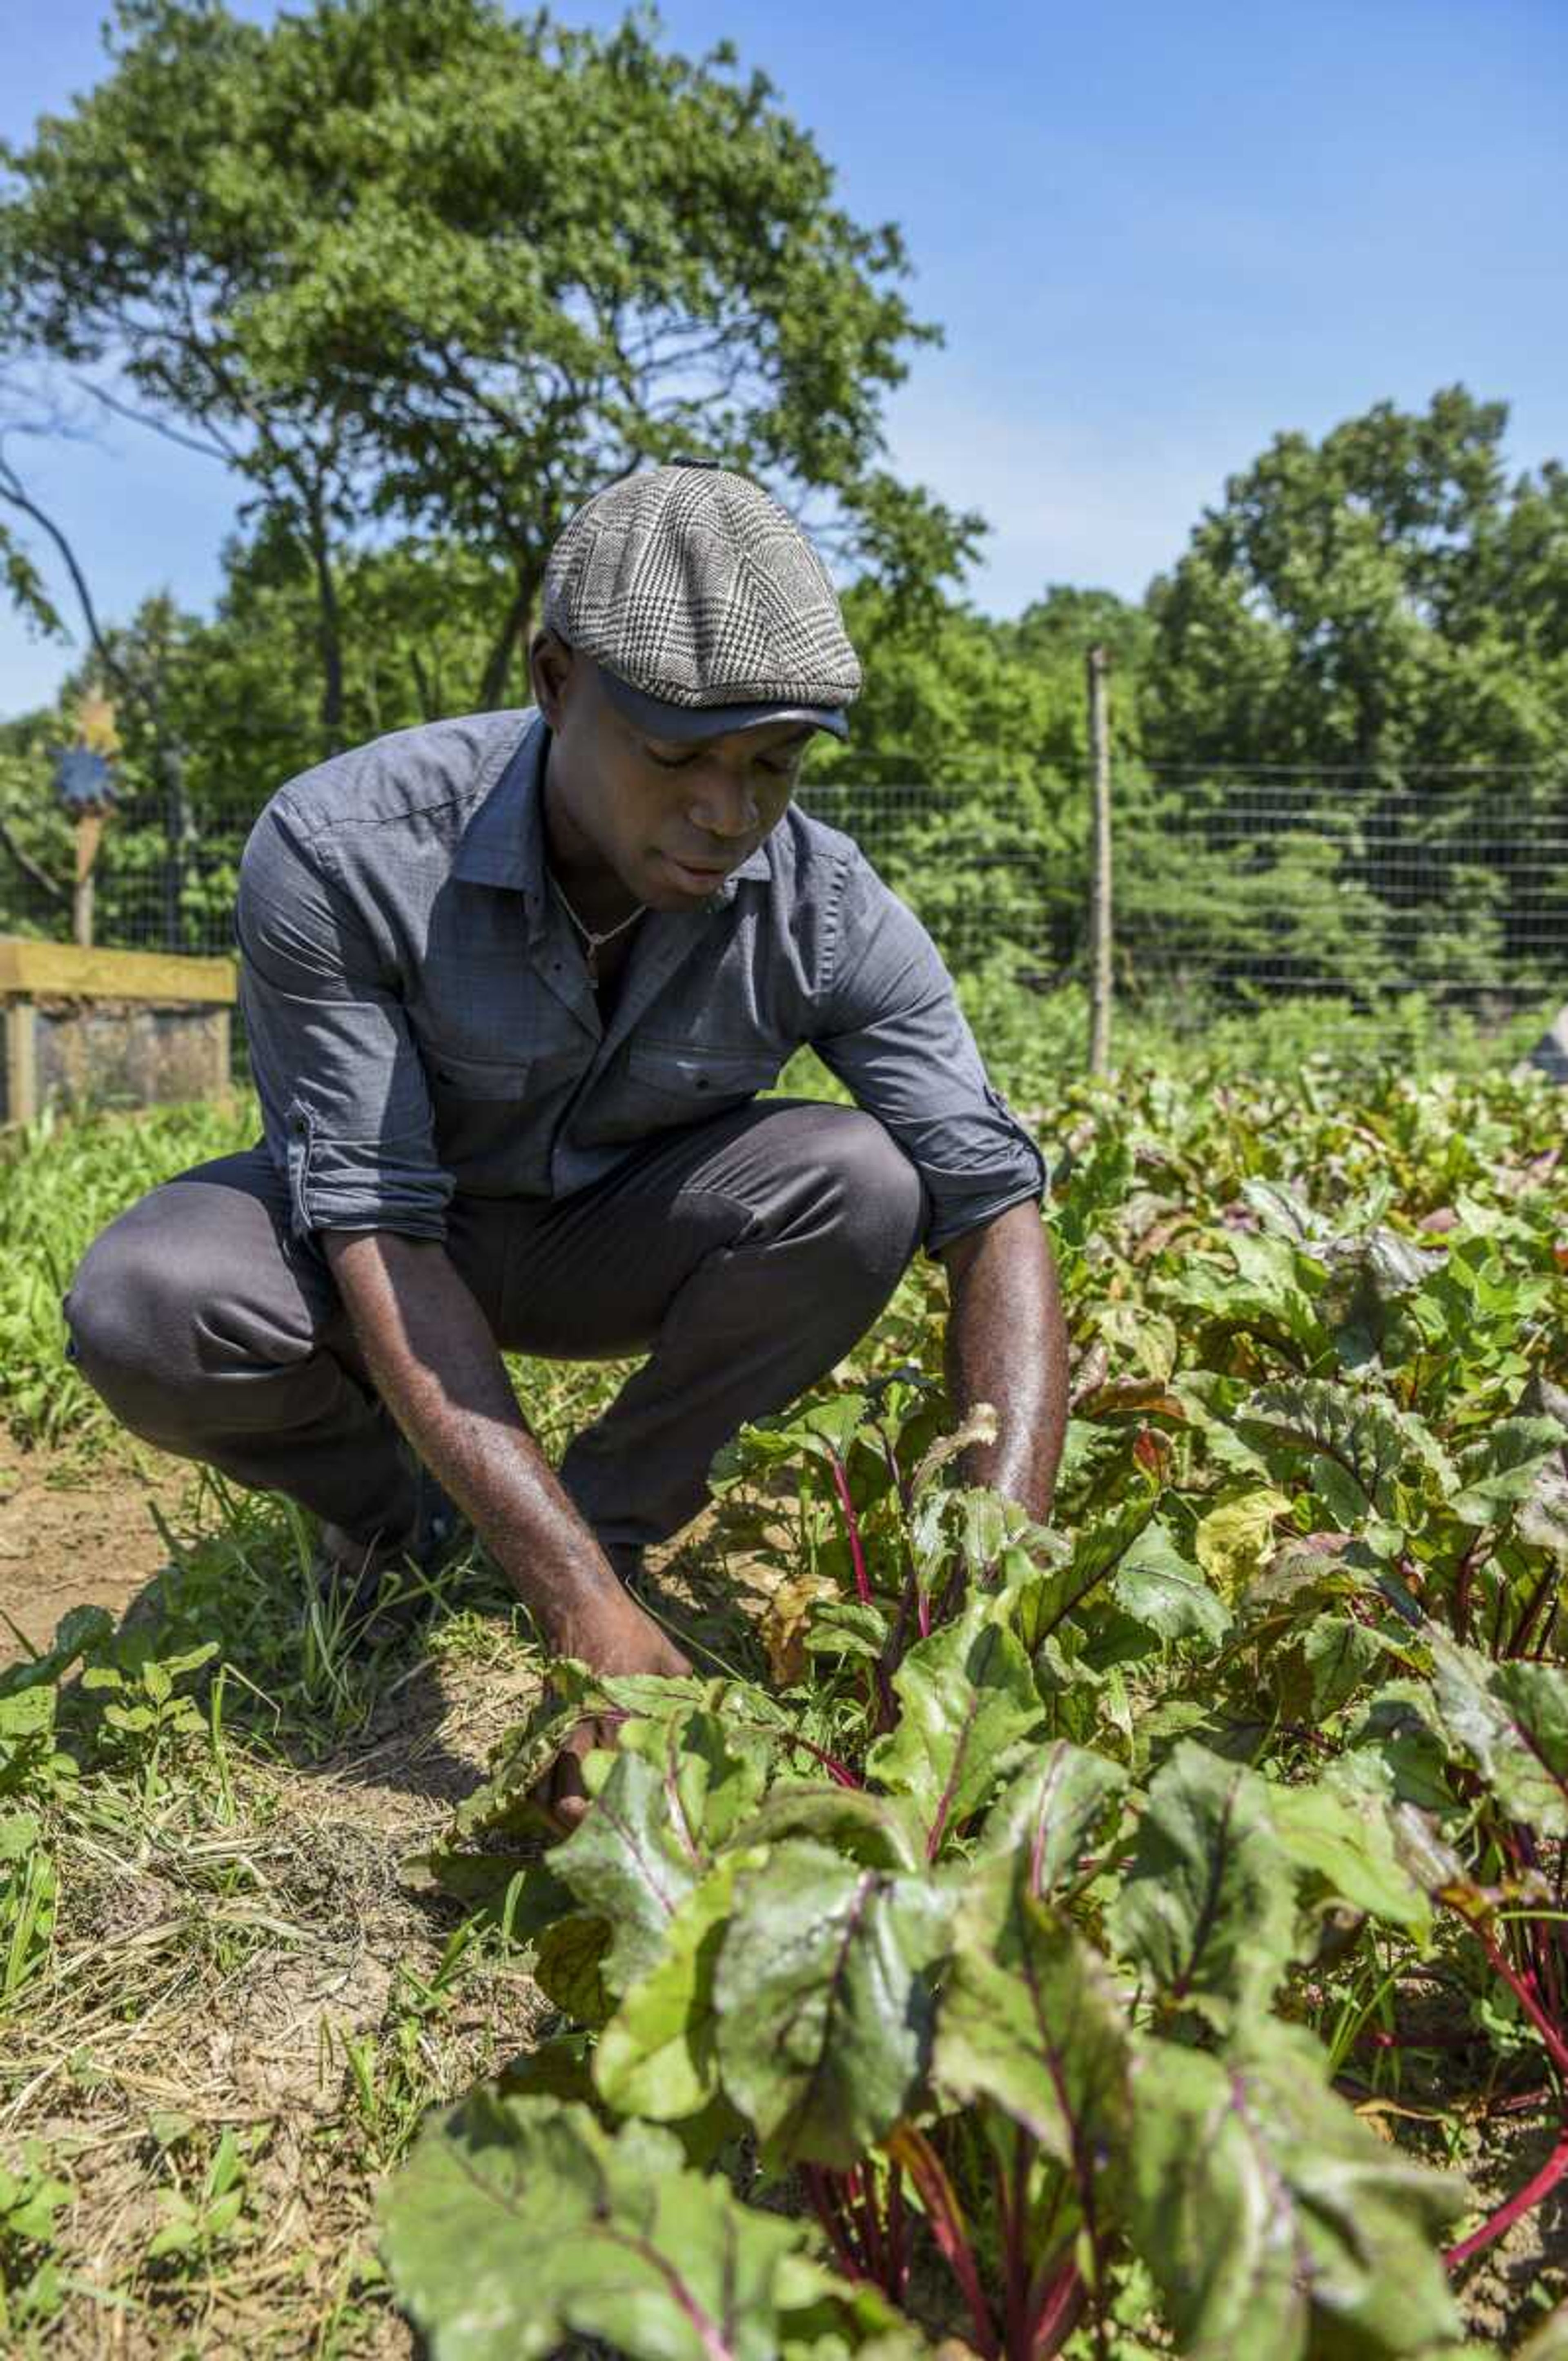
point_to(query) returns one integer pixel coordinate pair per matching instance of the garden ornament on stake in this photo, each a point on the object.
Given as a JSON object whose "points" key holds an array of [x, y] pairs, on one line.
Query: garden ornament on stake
{"points": [[85, 782]]}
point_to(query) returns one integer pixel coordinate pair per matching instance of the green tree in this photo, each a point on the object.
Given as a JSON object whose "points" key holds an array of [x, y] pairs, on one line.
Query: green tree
{"points": [[964, 773], [236, 695], [421, 266], [1383, 599], [1056, 631], [414, 616], [1382, 619]]}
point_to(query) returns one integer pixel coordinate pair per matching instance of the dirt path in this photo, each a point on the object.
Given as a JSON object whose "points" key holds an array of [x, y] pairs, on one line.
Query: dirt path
{"points": [[77, 1532]]}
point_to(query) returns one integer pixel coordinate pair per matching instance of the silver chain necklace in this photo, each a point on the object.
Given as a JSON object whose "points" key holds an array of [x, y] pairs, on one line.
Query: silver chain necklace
{"points": [[592, 942]]}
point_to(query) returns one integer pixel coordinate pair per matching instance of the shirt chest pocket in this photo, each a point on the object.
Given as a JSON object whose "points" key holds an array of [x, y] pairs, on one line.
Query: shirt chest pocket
{"points": [[483, 1109], [453, 1075], [679, 1081]]}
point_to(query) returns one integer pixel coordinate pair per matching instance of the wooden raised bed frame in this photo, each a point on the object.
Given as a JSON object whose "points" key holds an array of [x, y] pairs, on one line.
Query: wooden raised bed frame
{"points": [[49, 989]]}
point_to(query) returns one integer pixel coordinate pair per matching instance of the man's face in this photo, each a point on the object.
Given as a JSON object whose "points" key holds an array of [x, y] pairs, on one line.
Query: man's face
{"points": [[668, 821]]}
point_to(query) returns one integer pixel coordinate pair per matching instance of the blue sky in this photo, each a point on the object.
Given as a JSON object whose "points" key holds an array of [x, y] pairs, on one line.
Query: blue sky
{"points": [[1153, 235]]}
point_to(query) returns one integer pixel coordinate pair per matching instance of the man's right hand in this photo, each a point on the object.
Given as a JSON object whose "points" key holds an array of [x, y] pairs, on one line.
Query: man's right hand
{"points": [[610, 1635]]}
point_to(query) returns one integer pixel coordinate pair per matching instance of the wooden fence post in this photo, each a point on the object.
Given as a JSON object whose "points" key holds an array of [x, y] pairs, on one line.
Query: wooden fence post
{"points": [[89, 836], [21, 1061], [1099, 666]]}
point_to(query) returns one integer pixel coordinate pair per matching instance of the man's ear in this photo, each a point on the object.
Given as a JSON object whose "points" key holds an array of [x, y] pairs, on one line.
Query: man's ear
{"points": [[550, 669]]}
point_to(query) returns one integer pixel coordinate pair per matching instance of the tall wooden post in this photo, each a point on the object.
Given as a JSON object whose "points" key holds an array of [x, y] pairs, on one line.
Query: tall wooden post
{"points": [[86, 782], [1099, 664], [89, 836]]}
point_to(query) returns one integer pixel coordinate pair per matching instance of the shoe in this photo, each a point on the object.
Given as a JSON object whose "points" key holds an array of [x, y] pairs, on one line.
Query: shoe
{"points": [[349, 1573]]}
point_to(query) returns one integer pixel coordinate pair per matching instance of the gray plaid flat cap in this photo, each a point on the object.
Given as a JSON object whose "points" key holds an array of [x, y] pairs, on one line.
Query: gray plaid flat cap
{"points": [[703, 603]]}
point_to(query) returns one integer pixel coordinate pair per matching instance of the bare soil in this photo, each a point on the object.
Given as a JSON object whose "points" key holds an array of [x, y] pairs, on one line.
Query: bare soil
{"points": [[75, 1532], [1511, 2287], [254, 1977]]}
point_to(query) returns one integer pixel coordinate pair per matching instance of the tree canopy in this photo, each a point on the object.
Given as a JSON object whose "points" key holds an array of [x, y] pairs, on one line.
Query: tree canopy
{"points": [[1383, 599], [423, 275], [427, 266]]}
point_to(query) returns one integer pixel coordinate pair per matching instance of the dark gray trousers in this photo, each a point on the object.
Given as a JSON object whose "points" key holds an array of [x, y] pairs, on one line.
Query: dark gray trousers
{"points": [[745, 1255]]}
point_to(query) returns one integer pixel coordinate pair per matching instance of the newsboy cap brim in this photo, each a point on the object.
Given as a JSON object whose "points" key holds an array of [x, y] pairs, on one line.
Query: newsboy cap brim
{"points": [[684, 725]]}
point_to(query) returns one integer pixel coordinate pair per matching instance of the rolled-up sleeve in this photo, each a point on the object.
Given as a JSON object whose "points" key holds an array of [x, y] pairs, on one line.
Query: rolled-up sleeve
{"points": [[345, 1106], [893, 1034]]}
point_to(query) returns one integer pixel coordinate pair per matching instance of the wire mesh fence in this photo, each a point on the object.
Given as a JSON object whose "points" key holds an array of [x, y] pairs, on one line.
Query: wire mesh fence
{"points": [[1231, 889], [162, 877]]}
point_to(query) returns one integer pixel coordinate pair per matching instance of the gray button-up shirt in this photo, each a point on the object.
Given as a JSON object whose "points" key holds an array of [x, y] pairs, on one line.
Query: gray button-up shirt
{"points": [[421, 1022]]}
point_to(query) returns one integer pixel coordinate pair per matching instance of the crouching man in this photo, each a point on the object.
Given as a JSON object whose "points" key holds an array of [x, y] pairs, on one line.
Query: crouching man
{"points": [[511, 985]]}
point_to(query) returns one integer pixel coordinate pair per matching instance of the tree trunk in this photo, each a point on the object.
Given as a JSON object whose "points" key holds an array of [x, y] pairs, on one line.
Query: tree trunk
{"points": [[329, 629], [514, 632], [424, 688]]}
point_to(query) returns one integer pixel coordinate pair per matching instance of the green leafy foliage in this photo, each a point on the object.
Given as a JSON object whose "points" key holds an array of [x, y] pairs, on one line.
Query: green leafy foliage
{"points": [[1050, 1811], [31, 2197], [1207, 1909], [1273, 2222], [1026, 1944], [1032, 2021], [513, 260], [518, 2223], [970, 1707], [824, 1993], [1025, 1928], [658, 2057], [197, 2220], [1510, 1721], [63, 1182], [1344, 1836], [633, 1861]]}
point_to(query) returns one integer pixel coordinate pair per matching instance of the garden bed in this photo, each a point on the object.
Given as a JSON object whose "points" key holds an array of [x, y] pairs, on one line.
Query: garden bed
{"points": [[1251, 1771]]}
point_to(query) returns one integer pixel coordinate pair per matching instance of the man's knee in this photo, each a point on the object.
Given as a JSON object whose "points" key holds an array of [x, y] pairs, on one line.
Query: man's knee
{"points": [[872, 1205], [129, 1312], [168, 1303]]}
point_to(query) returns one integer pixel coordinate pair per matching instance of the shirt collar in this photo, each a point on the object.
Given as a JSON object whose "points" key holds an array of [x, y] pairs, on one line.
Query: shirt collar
{"points": [[503, 843]]}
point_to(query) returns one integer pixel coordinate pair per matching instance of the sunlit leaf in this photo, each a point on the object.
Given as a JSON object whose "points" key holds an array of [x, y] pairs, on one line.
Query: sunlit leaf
{"points": [[1045, 1816], [1208, 1908], [1344, 1836], [1502, 1471], [1031, 2021], [970, 1709], [1159, 1588], [658, 2057], [1362, 1445], [824, 1995], [1234, 1540], [518, 2224], [633, 1858], [1274, 2224], [1511, 1722]]}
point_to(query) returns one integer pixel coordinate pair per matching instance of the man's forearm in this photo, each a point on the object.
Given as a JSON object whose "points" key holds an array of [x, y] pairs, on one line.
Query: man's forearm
{"points": [[1007, 1345], [438, 1369]]}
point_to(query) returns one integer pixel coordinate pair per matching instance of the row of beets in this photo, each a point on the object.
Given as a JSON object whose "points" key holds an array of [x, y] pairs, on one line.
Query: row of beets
{"points": [[1005, 1966]]}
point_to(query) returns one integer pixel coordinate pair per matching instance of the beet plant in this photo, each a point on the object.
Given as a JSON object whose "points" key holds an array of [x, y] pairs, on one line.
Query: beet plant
{"points": [[1013, 1965], [958, 2008]]}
